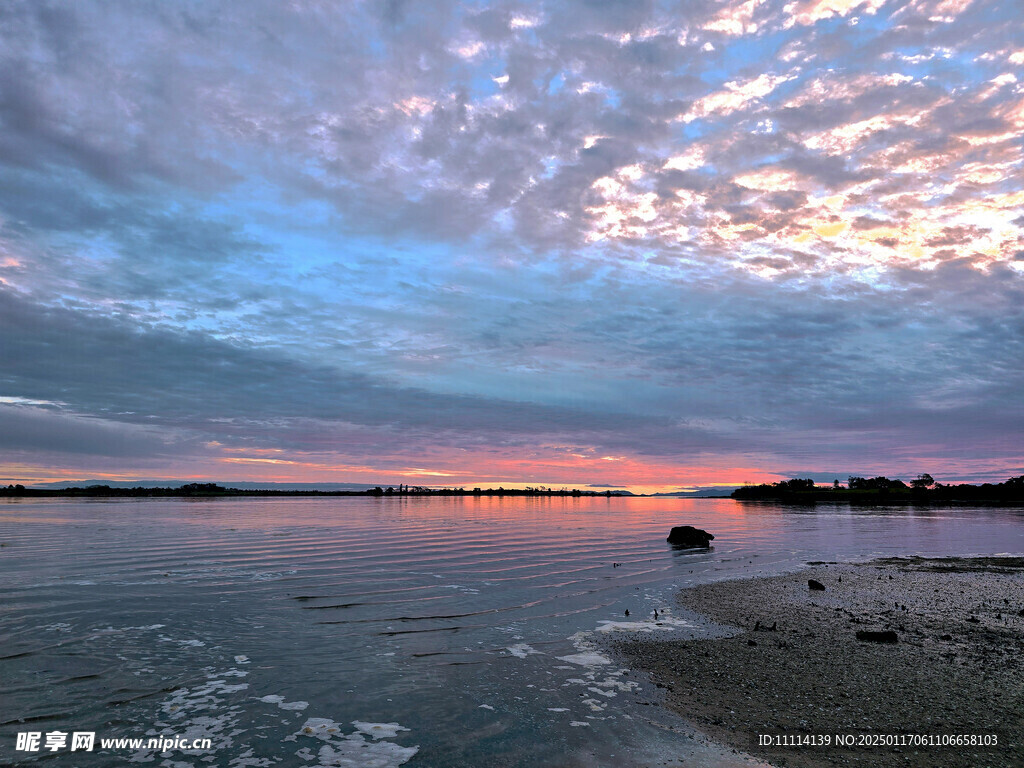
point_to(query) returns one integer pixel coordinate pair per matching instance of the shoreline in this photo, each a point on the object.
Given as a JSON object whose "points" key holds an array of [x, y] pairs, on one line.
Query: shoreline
{"points": [[794, 666]]}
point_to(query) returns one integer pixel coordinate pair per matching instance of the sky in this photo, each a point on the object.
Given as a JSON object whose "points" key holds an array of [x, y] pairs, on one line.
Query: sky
{"points": [[641, 244]]}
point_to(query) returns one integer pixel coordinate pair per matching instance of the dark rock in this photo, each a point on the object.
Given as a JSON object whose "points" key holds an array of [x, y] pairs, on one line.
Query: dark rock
{"points": [[873, 636], [688, 536], [974, 619], [751, 642], [815, 584], [946, 637]]}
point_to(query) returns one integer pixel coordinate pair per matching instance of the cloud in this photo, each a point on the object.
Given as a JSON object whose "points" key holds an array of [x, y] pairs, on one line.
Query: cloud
{"points": [[506, 139], [811, 11], [157, 378], [499, 228], [735, 96], [26, 430]]}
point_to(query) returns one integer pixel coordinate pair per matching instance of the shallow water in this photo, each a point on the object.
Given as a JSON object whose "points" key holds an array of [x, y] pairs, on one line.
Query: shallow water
{"points": [[382, 632]]}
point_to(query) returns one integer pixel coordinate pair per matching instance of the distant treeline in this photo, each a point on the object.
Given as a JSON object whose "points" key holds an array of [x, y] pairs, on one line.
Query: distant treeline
{"points": [[212, 489], [882, 490]]}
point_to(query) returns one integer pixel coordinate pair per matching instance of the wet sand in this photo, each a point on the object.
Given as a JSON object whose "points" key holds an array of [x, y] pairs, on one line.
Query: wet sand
{"points": [[794, 666]]}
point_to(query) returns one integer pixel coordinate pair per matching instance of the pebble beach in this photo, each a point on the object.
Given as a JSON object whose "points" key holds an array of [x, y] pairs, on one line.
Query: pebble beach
{"points": [[898, 649]]}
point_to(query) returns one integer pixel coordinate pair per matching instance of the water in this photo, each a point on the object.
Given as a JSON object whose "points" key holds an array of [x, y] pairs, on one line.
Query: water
{"points": [[382, 632]]}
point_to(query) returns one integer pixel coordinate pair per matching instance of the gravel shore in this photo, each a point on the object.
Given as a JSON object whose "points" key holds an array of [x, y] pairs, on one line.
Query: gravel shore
{"points": [[795, 666]]}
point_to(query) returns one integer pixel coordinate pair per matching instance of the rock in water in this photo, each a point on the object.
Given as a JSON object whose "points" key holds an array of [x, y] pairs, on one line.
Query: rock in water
{"points": [[871, 636], [688, 536], [815, 584]]}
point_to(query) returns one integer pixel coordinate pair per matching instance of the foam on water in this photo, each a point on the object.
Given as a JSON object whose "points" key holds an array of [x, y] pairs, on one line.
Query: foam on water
{"points": [[248, 760], [352, 750], [666, 624], [198, 712], [213, 709], [521, 650], [186, 643], [589, 655], [378, 730], [600, 683], [586, 659], [282, 704]]}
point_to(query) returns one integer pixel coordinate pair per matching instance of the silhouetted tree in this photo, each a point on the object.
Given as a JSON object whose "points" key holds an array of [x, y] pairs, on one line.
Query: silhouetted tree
{"points": [[875, 484], [923, 481], [796, 485]]}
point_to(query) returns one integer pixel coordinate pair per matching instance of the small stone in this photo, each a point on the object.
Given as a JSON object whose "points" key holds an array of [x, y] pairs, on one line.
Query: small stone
{"points": [[876, 636]]}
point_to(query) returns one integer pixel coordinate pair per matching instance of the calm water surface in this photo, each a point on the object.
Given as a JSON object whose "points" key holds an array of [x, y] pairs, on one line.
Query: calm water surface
{"points": [[382, 632]]}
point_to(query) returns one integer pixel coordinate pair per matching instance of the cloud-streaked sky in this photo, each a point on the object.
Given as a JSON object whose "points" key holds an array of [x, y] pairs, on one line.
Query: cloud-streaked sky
{"points": [[651, 244]]}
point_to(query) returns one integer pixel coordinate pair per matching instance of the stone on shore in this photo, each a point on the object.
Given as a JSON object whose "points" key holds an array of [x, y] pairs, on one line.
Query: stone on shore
{"points": [[688, 536], [873, 636], [816, 585]]}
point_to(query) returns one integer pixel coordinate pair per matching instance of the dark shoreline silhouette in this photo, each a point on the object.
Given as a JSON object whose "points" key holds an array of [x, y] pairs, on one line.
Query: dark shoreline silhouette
{"points": [[190, 490], [873, 491], [882, 490]]}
